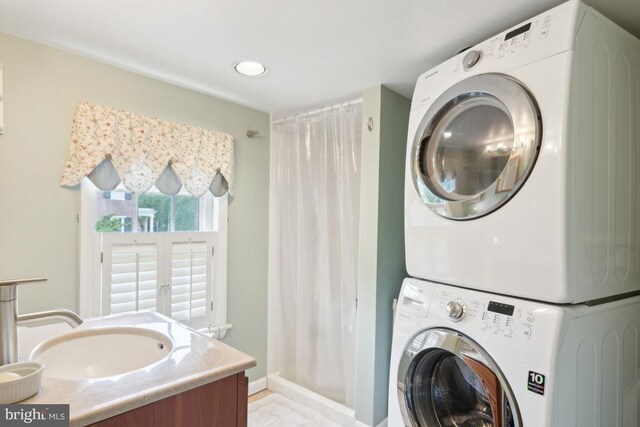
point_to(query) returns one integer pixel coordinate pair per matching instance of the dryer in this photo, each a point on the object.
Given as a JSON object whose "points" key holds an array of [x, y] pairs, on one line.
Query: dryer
{"points": [[522, 162], [466, 358]]}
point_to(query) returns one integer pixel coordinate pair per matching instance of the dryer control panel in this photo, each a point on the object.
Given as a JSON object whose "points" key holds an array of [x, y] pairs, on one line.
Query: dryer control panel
{"points": [[536, 39], [531, 35]]}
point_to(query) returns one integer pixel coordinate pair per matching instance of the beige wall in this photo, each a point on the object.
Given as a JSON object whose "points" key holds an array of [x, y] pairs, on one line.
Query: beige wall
{"points": [[38, 219]]}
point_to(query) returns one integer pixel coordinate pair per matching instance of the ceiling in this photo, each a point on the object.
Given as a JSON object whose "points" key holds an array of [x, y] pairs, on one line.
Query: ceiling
{"points": [[317, 52]]}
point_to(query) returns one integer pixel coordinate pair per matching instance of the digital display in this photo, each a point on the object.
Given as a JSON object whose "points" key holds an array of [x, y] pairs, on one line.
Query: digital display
{"points": [[513, 33], [500, 308]]}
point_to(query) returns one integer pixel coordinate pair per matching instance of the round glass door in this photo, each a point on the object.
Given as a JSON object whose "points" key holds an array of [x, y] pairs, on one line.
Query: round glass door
{"points": [[446, 380], [476, 146]]}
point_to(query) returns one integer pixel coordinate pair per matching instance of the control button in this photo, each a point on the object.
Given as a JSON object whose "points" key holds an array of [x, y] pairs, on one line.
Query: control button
{"points": [[530, 317], [485, 325], [471, 59], [507, 332], [526, 333], [496, 329], [547, 20], [456, 310], [544, 32]]}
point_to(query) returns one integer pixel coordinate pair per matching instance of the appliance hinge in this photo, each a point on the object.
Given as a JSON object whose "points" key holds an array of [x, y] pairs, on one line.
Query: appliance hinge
{"points": [[213, 250], [211, 305], [101, 257], [356, 303]]}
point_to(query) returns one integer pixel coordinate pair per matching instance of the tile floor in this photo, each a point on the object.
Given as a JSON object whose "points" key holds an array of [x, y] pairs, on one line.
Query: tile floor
{"points": [[268, 409]]}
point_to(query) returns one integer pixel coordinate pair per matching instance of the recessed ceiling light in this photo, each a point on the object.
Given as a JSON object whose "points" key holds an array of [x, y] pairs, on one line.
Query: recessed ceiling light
{"points": [[250, 68]]}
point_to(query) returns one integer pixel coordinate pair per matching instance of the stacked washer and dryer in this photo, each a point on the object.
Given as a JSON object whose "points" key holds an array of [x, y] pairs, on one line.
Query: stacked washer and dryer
{"points": [[522, 220]]}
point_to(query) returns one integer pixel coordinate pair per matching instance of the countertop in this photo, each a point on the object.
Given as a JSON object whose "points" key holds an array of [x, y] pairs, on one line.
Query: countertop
{"points": [[195, 360]]}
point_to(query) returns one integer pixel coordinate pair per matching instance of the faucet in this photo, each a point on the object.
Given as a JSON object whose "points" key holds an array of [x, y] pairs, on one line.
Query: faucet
{"points": [[9, 319]]}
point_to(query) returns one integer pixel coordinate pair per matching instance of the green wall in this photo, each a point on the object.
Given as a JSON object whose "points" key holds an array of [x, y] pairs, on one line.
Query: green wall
{"points": [[38, 219], [381, 262]]}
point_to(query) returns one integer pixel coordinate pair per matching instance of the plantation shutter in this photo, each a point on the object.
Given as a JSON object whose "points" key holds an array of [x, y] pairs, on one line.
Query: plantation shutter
{"points": [[130, 274], [167, 272], [190, 272]]}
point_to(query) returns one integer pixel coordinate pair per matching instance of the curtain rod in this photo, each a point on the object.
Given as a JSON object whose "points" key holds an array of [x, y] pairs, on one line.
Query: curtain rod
{"points": [[319, 110]]}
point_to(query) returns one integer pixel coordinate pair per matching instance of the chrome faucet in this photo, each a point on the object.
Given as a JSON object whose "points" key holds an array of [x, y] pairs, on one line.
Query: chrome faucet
{"points": [[9, 318]]}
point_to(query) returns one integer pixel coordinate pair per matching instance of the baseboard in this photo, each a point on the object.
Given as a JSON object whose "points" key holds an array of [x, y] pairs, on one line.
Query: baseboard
{"points": [[334, 411], [257, 385]]}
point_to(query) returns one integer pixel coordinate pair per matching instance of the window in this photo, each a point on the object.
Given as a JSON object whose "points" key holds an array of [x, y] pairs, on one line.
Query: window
{"points": [[121, 211], [153, 252]]}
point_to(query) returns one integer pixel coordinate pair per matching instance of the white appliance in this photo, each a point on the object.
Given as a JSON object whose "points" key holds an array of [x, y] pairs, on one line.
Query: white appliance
{"points": [[522, 162], [467, 358]]}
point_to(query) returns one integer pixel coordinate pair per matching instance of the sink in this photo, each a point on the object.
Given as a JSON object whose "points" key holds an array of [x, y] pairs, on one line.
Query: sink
{"points": [[101, 352]]}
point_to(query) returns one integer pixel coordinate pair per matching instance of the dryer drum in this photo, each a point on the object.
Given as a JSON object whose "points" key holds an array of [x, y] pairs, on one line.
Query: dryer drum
{"points": [[476, 146], [467, 161]]}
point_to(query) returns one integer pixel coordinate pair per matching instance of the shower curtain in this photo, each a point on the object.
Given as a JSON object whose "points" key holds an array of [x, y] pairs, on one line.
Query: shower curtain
{"points": [[315, 163]]}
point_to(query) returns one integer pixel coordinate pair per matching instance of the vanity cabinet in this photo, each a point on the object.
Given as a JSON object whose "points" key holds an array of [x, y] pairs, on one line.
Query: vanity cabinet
{"points": [[222, 403]]}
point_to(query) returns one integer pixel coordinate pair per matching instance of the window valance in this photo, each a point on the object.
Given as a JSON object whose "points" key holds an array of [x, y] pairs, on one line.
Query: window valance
{"points": [[110, 145]]}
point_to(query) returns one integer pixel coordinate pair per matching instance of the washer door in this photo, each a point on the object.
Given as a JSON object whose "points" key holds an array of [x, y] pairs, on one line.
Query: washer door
{"points": [[475, 146], [447, 380]]}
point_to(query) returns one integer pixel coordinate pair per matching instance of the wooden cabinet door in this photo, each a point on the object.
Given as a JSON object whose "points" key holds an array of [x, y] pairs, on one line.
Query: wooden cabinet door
{"points": [[219, 404]]}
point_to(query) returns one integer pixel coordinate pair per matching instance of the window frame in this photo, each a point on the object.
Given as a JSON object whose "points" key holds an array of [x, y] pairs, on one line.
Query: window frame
{"points": [[91, 257]]}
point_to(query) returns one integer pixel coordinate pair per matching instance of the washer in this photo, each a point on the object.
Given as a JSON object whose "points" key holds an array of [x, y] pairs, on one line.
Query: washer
{"points": [[522, 162], [467, 358]]}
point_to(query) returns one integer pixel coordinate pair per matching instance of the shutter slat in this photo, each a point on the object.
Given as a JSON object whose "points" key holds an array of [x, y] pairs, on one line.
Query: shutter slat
{"points": [[133, 277], [189, 280]]}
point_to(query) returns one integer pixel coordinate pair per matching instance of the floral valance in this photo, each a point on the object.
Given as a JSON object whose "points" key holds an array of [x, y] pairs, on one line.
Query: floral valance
{"points": [[110, 145]]}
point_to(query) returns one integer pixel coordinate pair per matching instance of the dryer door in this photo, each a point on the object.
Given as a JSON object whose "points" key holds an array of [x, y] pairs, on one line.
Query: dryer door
{"points": [[447, 380], [475, 146]]}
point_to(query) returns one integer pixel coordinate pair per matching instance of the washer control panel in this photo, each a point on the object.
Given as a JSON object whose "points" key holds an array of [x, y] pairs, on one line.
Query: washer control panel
{"points": [[503, 323], [491, 316]]}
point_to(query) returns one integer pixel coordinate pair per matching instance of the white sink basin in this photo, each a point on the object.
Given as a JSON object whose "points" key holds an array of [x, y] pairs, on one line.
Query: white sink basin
{"points": [[101, 352]]}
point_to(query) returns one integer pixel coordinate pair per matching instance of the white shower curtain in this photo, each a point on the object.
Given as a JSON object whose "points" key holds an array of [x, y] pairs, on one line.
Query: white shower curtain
{"points": [[315, 163]]}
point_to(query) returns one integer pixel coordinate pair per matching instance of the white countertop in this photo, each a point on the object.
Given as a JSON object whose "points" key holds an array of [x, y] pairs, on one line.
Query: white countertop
{"points": [[195, 360]]}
